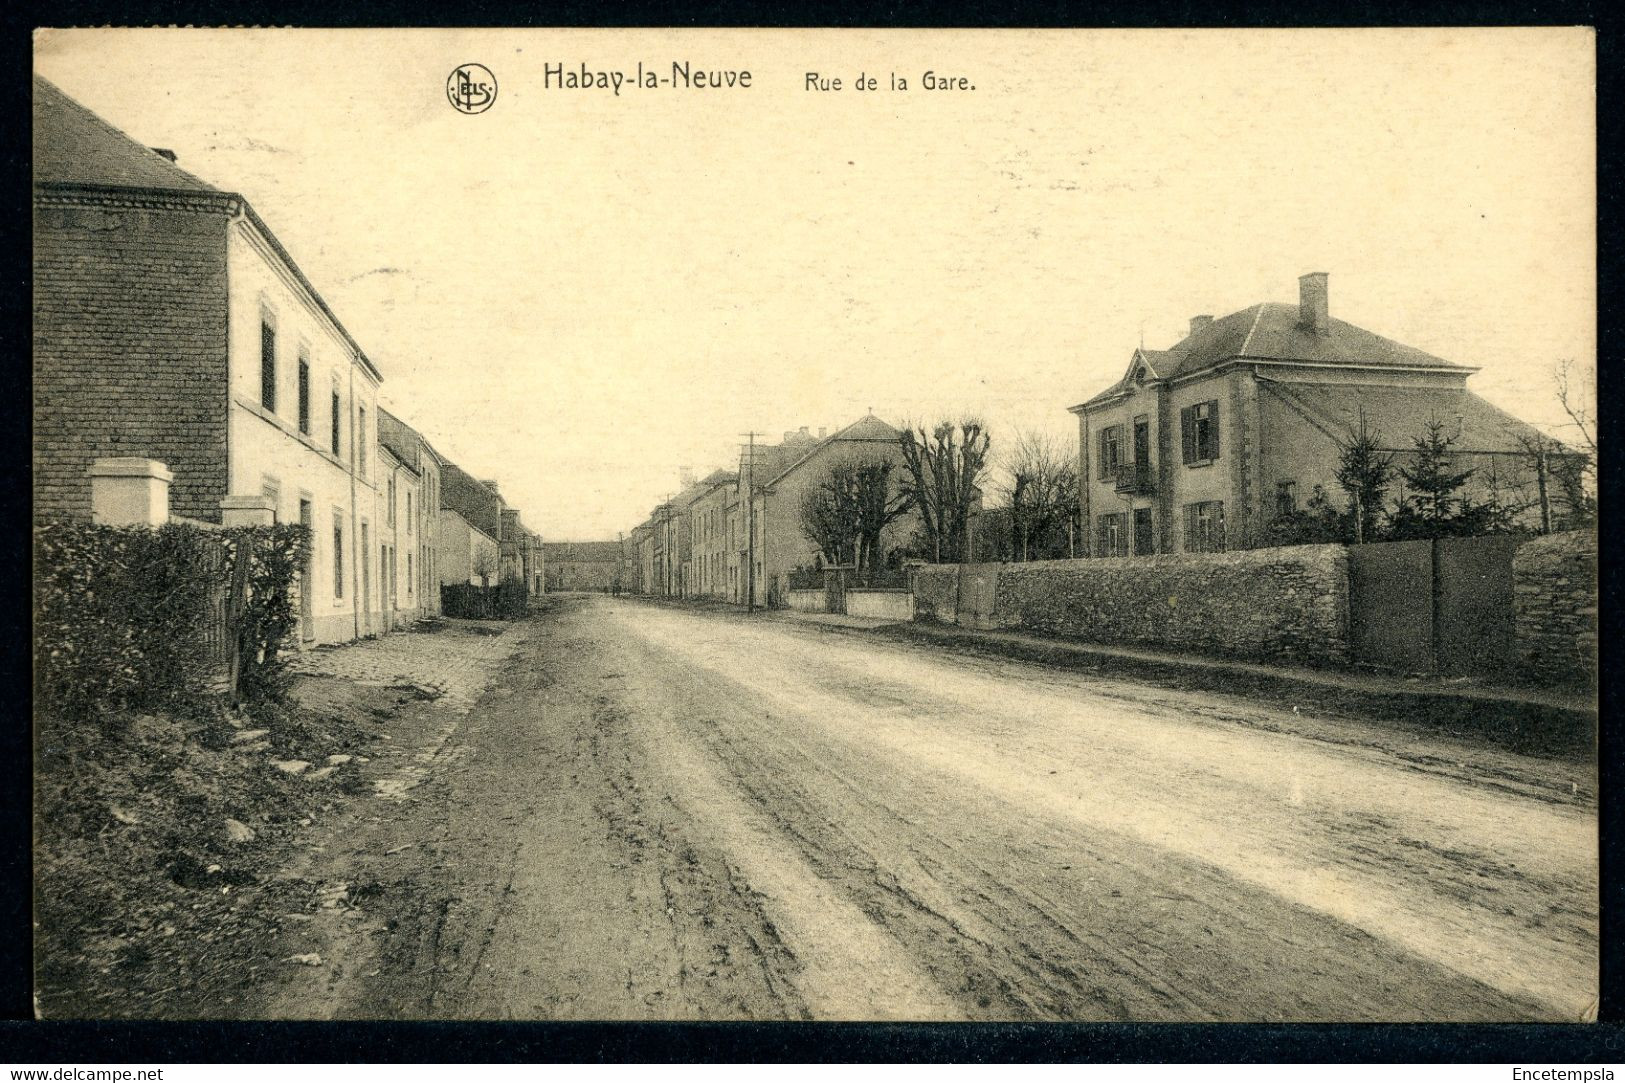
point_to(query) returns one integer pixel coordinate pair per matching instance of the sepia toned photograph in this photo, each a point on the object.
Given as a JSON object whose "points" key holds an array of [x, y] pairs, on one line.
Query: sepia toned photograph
{"points": [[824, 525]]}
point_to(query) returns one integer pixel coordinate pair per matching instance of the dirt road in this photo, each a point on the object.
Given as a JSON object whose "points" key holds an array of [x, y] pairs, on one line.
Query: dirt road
{"points": [[658, 814]]}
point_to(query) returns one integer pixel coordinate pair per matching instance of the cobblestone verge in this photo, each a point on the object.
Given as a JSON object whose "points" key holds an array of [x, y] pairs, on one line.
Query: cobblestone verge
{"points": [[454, 663]]}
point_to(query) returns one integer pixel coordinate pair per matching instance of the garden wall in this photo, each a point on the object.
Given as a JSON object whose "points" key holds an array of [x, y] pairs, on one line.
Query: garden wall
{"points": [[1554, 599], [879, 604], [936, 592], [1288, 603]]}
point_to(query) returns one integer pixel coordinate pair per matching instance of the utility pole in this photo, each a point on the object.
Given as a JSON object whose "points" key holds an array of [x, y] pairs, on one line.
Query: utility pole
{"points": [[750, 520]]}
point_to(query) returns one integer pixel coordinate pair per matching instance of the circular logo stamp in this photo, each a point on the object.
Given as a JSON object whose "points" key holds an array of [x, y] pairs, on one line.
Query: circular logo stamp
{"points": [[471, 88]]}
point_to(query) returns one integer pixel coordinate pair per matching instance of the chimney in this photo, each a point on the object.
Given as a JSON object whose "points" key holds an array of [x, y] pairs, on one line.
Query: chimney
{"points": [[1199, 323], [822, 432], [492, 486], [163, 152], [1314, 313], [804, 433]]}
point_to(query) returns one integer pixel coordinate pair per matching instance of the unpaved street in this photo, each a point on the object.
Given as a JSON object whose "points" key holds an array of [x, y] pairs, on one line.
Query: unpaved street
{"points": [[656, 813]]}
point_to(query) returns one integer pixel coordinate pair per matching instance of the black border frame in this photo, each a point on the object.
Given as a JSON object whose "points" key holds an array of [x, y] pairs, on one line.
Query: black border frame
{"points": [[23, 1040]]}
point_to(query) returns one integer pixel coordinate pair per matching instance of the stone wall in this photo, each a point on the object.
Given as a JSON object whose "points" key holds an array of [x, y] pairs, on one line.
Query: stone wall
{"points": [[1289, 603], [1554, 583], [129, 348], [936, 592]]}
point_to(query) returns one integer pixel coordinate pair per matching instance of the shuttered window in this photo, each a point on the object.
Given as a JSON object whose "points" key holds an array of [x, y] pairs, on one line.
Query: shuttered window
{"points": [[1204, 527], [304, 396], [1199, 432], [338, 555], [1111, 450], [267, 366]]}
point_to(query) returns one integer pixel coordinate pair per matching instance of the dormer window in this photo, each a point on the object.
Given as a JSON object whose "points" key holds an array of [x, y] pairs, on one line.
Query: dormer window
{"points": [[1139, 375]]}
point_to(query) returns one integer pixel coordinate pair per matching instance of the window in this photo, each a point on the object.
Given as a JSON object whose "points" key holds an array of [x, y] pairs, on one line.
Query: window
{"points": [[1199, 432], [409, 513], [1204, 527], [1286, 497], [338, 555], [409, 573], [1111, 450], [1111, 539], [336, 416], [390, 508], [304, 394], [361, 440], [267, 365]]}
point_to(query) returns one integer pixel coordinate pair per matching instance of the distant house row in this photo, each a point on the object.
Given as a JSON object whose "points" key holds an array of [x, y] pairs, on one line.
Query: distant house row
{"points": [[176, 339], [700, 544]]}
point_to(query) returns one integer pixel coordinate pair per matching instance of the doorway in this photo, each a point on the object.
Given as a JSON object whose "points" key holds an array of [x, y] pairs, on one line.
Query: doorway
{"points": [[1144, 545]]}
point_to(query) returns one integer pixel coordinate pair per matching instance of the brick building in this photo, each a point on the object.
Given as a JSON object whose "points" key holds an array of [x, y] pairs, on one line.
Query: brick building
{"points": [[171, 324], [1200, 446]]}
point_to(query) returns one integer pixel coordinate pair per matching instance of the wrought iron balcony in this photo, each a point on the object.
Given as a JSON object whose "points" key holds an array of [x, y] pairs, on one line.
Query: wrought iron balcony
{"points": [[1135, 478]]}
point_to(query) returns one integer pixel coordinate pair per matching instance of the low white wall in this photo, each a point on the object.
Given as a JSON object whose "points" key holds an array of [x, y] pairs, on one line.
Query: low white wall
{"points": [[808, 601], [880, 604]]}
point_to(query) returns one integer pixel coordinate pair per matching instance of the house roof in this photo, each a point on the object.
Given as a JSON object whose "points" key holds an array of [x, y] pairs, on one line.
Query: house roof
{"points": [[1274, 332], [72, 145], [401, 439], [471, 498], [74, 149], [598, 552], [867, 429], [1396, 416]]}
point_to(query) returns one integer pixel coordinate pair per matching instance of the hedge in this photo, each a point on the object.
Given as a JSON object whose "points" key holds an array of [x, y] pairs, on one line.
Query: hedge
{"points": [[131, 617]]}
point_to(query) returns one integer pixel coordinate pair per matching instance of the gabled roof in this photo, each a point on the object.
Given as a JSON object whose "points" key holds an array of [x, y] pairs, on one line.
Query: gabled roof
{"points": [[867, 429], [1396, 416], [1274, 333], [472, 499], [401, 439], [75, 150], [72, 145]]}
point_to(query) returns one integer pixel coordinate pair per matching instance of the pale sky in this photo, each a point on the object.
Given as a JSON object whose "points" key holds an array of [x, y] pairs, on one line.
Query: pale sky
{"points": [[578, 293]]}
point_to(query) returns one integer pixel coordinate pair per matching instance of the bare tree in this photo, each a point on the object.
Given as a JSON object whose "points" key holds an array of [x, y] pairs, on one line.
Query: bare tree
{"points": [[829, 515], [1042, 495], [485, 566], [1569, 468], [944, 465], [847, 513], [1577, 395]]}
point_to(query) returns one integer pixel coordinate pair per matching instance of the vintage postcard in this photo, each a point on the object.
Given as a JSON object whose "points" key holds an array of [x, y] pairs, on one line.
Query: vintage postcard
{"points": [[815, 525]]}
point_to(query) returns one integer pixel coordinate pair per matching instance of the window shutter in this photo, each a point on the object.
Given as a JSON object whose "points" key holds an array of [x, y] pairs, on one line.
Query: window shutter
{"points": [[1213, 429], [1100, 455], [1187, 433]]}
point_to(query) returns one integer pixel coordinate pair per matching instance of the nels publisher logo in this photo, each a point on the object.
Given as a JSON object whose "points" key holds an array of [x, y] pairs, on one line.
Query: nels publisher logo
{"points": [[471, 88]]}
